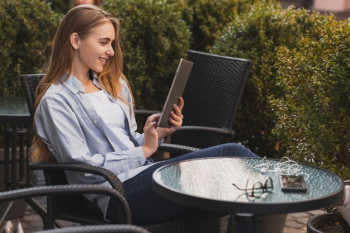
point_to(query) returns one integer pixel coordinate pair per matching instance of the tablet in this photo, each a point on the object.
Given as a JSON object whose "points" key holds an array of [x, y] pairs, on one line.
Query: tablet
{"points": [[177, 88]]}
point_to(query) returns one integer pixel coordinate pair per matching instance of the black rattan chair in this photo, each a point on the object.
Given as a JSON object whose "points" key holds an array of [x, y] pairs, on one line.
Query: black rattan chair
{"points": [[212, 96], [76, 208], [68, 191], [99, 229]]}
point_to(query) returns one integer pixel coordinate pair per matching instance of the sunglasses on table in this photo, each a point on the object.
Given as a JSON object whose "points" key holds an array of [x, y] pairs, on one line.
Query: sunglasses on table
{"points": [[258, 188]]}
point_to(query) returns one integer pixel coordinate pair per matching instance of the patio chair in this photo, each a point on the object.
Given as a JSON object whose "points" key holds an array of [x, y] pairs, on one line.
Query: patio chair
{"points": [[68, 190], [212, 96], [76, 208], [99, 229]]}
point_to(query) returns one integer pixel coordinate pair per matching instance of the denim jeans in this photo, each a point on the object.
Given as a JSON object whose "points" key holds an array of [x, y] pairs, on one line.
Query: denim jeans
{"points": [[149, 207]]}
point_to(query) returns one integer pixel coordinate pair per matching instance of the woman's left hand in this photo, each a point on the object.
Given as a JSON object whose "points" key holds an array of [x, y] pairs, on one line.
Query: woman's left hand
{"points": [[175, 120]]}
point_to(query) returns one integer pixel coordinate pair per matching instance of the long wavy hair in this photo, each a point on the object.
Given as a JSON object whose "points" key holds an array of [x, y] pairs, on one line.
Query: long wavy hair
{"points": [[81, 20]]}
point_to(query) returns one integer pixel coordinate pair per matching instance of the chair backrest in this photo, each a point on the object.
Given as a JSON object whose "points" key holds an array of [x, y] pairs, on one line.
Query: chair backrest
{"points": [[212, 96], [30, 83]]}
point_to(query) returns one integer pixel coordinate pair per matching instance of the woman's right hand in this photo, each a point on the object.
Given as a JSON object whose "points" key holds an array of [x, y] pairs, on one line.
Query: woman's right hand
{"points": [[151, 136]]}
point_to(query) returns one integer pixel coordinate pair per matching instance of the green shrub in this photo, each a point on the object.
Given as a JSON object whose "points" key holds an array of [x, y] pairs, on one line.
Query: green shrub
{"points": [[257, 36], [154, 38], [27, 28], [61, 6], [314, 113], [207, 18], [210, 17]]}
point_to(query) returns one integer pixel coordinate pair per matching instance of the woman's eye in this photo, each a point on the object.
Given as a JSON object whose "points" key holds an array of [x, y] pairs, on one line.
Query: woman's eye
{"points": [[103, 43]]}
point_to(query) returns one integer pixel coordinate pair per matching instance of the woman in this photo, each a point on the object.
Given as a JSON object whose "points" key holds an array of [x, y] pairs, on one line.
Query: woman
{"points": [[84, 114]]}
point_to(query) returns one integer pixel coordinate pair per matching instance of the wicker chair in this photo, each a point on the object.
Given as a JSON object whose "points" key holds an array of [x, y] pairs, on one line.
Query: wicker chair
{"points": [[76, 208], [99, 229], [212, 96], [69, 190]]}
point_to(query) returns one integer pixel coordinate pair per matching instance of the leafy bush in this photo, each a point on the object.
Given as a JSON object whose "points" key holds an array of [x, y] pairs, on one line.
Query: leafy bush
{"points": [[314, 113], [210, 17], [154, 38], [207, 18], [257, 36], [61, 6], [27, 28]]}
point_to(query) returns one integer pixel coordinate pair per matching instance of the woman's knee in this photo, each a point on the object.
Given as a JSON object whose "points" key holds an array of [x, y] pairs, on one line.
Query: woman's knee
{"points": [[238, 150]]}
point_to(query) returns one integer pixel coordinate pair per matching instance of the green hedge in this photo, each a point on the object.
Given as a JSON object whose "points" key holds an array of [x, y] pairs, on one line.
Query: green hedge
{"points": [[257, 36], [210, 17], [154, 38], [207, 18], [314, 113], [61, 6], [27, 28]]}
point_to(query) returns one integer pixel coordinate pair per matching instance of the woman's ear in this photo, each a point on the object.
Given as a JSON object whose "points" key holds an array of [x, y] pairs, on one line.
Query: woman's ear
{"points": [[74, 40]]}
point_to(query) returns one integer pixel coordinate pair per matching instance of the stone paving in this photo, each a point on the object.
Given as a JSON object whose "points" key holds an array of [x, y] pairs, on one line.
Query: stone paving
{"points": [[296, 222]]}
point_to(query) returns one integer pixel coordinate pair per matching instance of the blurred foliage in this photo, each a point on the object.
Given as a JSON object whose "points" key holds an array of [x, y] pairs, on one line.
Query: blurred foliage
{"points": [[206, 18], [61, 6], [257, 36], [154, 38], [210, 17], [27, 28], [313, 115]]}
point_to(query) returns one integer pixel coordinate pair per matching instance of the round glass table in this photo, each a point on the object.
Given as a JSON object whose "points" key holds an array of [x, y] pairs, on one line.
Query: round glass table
{"points": [[207, 183], [14, 110]]}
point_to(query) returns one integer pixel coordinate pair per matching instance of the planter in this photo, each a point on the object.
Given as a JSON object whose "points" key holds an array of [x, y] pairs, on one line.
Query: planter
{"points": [[316, 222]]}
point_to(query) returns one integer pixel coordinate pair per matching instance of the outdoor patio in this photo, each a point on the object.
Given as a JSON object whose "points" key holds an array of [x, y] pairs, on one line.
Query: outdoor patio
{"points": [[31, 222]]}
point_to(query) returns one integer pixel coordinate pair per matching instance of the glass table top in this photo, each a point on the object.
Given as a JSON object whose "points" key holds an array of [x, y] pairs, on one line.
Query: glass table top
{"points": [[212, 179], [13, 106]]}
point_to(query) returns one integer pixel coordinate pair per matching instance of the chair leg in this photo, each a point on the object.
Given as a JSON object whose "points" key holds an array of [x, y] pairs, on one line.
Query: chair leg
{"points": [[50, 219]]}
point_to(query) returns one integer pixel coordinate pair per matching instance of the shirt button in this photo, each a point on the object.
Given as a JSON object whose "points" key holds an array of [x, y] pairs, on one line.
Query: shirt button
{"points": [[95, 121]]}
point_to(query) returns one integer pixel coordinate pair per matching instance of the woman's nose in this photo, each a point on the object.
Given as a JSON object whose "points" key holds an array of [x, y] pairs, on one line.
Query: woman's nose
{"points": [[110, 51]]}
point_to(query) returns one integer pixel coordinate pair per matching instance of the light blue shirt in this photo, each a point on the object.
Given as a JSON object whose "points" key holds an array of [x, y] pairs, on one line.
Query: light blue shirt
{"points": [[69, 125]]}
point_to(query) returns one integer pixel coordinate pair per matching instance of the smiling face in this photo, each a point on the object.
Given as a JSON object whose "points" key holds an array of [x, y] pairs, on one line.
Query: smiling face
{"points": [[93, 51]]}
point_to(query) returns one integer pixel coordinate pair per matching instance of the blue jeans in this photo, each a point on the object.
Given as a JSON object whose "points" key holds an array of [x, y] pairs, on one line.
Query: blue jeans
{"points": [[149, 207]]}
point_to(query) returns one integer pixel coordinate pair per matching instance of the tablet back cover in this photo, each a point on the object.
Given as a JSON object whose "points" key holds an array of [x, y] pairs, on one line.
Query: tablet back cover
{"points": [[176, 90]]}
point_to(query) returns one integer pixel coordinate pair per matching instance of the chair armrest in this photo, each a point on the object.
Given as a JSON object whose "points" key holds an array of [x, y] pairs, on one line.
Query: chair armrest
{"points": [[107, 174], [111, 228], [175, 148], [71, 190], [224, 131]]}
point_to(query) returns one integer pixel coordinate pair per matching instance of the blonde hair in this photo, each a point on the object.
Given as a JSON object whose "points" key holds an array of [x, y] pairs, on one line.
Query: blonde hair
{"points": [[81, 20]]}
